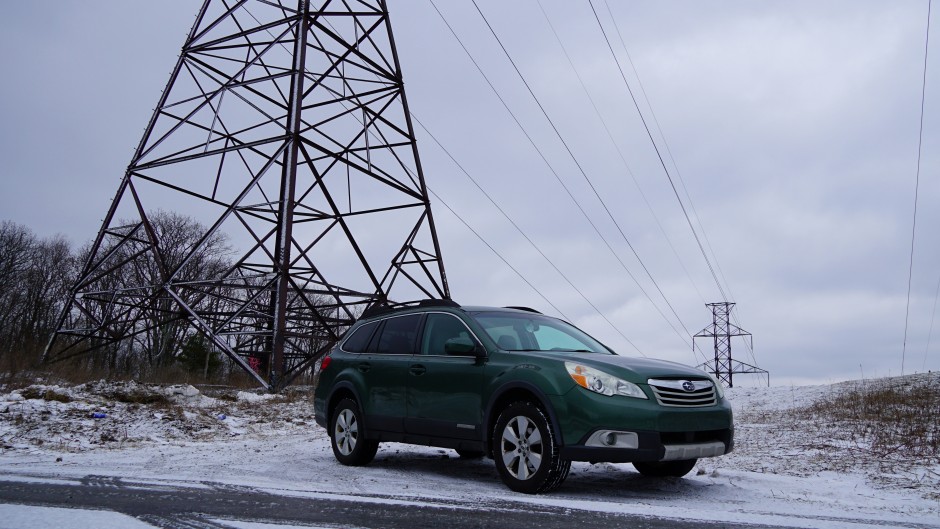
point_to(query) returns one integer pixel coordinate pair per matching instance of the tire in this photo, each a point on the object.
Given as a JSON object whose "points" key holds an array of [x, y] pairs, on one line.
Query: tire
{"points": [[527, 458], [664, 469], [469, 454], [350, 447]]}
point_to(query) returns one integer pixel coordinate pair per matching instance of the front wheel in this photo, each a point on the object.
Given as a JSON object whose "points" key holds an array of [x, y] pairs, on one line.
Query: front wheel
{"points": [[662, 469], [527, 458], [349, 445]]}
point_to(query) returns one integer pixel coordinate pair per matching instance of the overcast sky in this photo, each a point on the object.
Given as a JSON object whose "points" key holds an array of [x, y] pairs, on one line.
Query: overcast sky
{"points": [[793, 125]]}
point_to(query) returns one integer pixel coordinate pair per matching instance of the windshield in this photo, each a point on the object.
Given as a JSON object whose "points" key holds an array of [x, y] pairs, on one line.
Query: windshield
{"points": [[534, 332]]}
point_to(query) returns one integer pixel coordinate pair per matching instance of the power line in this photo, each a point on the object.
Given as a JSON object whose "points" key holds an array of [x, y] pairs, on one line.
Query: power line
{"points": [[623, 159], [488, 245], [626, 166], [521, 232], [552, 169], [672, 184], [501, 258], [675, 166], [658, 154], [577, 163], [672, 159], [920, 142]]}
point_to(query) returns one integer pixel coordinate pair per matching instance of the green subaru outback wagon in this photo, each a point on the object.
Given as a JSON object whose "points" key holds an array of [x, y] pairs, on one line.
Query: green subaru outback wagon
{"points": [[531, 391]]}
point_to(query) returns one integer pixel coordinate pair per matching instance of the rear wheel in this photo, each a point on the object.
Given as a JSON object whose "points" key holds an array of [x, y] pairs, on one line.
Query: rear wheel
{"points": [[662, 469], [527, 458], [346, 435]]}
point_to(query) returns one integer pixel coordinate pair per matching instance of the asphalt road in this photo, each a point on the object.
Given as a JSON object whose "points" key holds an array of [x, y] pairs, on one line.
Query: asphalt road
{"points": [[201, 507]]}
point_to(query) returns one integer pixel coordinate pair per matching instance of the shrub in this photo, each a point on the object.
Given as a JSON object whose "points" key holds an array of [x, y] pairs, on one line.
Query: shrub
{"points": [[196, 352], [39, 392]]}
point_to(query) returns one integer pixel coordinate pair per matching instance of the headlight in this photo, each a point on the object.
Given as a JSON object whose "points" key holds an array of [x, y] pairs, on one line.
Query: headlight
{"points": [[600, 382]]}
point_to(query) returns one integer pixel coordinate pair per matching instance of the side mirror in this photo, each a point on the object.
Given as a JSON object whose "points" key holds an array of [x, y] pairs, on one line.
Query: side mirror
{"points": [[461, 347]]}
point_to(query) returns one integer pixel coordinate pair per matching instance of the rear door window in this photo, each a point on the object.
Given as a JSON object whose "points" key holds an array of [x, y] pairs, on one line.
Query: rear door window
{"points": [[398, 336]]}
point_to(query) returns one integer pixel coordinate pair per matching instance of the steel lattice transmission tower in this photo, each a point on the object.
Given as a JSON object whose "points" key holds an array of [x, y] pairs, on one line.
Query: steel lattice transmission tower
{"points": [[721, 331], [285, 132]]}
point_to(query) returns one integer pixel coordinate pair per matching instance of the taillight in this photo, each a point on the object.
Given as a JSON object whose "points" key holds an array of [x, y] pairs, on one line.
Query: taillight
{"points": [[325, 363]]}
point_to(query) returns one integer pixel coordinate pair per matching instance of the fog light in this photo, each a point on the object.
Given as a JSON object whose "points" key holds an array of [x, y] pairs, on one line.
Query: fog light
{"points": [[613, 439]]}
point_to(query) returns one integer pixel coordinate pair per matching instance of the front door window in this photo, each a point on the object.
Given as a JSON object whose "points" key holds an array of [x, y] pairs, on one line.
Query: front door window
{"points": [[439, 329]]}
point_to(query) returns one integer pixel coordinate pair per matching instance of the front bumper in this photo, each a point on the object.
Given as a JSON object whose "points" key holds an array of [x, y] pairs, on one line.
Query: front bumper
{"points": [[662, 433], [656, 446]]}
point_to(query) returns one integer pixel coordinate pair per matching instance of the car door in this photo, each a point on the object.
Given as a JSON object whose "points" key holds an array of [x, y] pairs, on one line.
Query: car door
{"points": [[384, 369], [444, 391]]}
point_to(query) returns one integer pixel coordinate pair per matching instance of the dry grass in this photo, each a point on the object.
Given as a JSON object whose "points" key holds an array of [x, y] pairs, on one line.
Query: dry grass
{"points": [[897, 418], [889, 428], [885, 429]]}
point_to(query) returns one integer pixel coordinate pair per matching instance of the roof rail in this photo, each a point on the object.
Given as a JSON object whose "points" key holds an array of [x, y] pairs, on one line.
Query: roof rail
{"points": [[384, 307], [438, 303], [527, 309]]}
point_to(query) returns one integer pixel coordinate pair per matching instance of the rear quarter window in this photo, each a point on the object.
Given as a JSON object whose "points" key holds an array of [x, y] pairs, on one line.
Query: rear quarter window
{"points": [[359, 340]]}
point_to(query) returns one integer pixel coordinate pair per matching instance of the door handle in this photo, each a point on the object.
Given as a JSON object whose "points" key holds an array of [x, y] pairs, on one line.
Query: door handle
{"points": [[418, 369], [364, 366]]}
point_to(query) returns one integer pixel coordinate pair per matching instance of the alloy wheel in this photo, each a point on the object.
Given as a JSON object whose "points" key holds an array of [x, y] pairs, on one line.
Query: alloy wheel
{"points": [[346, 431], [521, 448]]}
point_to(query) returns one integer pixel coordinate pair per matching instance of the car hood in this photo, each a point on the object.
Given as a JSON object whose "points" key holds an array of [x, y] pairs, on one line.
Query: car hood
{"points": [[629, 368]]}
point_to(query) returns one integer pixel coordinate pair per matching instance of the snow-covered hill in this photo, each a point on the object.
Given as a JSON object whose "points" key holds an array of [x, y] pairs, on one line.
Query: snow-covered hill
{"points": [[789, 467]]}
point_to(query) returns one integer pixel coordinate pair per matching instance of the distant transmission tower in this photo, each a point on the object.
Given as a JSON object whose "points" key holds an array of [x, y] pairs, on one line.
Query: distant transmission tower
{"points": [[721, 331], [284, 132]]}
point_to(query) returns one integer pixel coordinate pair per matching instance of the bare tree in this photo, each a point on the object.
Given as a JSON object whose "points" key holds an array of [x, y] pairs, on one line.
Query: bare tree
{"points": [[34, 279], [16, 243], [37, 278], [133, 272], [46, 288]]}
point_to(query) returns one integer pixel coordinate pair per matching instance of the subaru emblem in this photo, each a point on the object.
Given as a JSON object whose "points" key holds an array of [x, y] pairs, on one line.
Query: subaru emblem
{"points": [[688, 386]]}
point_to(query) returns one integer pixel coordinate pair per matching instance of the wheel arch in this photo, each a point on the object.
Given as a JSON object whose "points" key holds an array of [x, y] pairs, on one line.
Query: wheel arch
{"points": [[512, 392], [341, 391]]}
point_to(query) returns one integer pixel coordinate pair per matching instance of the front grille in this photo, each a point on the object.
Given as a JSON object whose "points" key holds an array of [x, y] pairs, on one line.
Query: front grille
{"points": [[675, 393]]}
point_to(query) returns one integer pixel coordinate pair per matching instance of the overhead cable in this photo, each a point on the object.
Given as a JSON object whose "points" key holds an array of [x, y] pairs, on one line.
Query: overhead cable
{"points": [[672, 159], [488, 245], [623, 158], [577, 163], [685, 190], [499, 255], [659, 155], [920, 143], [521, 232], [553, 171]]}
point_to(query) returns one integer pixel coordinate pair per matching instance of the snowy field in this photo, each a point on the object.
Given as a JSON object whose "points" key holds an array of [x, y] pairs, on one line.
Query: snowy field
{"points": [[785, 470]]}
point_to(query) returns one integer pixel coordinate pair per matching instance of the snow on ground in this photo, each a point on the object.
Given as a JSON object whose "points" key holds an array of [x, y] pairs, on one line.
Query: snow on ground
{"points": [[784, 469], [30, 517]]}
